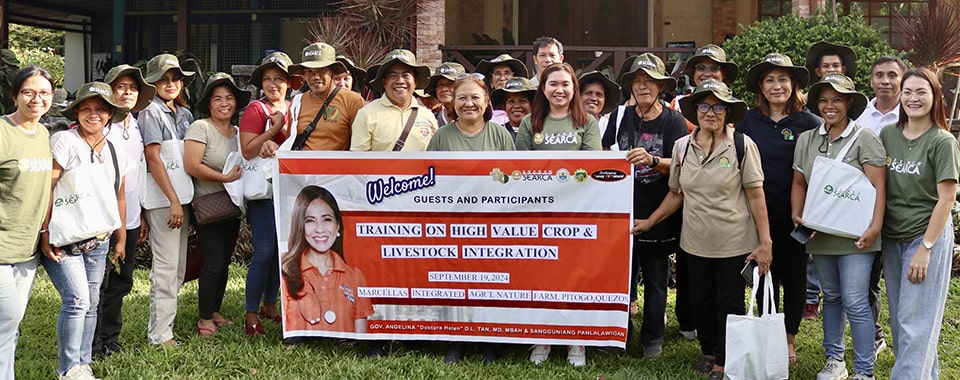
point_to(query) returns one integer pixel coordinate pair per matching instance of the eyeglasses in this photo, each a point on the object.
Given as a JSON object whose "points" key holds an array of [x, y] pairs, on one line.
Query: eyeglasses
{"points": [[124, 87], [476, 76], [503, 73], [30, 94], [703, 67], [718, 109], [165, 79]]}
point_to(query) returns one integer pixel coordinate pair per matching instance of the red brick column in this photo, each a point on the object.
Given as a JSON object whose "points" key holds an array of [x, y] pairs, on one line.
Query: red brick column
{"points": [[724, 19], [431, 30]]}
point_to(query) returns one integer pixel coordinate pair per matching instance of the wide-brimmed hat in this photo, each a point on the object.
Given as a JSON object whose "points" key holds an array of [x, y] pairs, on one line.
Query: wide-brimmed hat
{"points": [[650, 64], [146, 90], [513, 85], [716, 54], [447, 70], [315, 56], [486, 66], [842, 84], [359, 75], [406, 57], [611, 91], [95, 90], [736, 108], [845, 53], [772, 61], [162, 63], [216, 80], [278, 60]]}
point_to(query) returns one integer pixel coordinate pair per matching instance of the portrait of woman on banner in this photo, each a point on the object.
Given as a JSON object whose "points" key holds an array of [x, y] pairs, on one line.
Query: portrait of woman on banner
{"points": [[320, 289]]}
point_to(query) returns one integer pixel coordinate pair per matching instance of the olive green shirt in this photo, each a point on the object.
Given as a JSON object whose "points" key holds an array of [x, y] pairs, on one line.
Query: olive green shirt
{"points": [[491, 137], [559, 134], [25, 166]]}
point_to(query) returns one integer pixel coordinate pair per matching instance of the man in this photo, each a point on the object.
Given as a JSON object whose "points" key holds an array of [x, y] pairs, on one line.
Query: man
{"points": [[824, 57], [396, 121], [331, 130], [440, 87], [546, 51], [499, 70], [881, 111]]}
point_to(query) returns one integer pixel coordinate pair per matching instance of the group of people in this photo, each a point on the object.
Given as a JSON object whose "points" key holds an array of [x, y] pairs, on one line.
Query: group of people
{"points": [[735, 171]]}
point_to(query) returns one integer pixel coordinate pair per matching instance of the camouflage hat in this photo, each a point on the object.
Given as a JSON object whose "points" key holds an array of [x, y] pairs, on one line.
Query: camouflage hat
{"points": [[315, 56], [841, 84], [772, 61], [95, 90], [278, 60], [817, 51], [403, 56], [485, 67], [217, 80], [716, 54], [447, 70], [736, 108], [146, 91], [652, 66], [611, 91], [160, 64]]}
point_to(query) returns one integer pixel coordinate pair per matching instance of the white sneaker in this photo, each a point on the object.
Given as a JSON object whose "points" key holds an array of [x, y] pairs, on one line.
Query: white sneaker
{"points": [[539, 353], [688, 335], [80, 372], [577, 355], [861, 376], [833, 370]]}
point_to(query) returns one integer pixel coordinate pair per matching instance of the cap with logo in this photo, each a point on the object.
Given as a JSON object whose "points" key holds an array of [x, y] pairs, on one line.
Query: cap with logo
{"points": [[715, 54], [146, 90], [611, 92], [448, 70], [773, 61], [736, 108], [485, 66], [95, 90], [841, 84], [402, 56], [160, 64], [316, 56], [513, 85], [652, 66], [278, 60], [819, 49], [217, 80]]}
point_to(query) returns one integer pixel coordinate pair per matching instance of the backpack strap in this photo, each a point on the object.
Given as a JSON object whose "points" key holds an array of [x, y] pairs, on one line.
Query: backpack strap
{"points": [[116, 168], [739, 145], [301, 139]]}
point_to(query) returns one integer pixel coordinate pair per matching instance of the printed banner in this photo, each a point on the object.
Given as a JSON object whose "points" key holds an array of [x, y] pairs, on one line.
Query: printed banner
{"points": [[514, 247]]}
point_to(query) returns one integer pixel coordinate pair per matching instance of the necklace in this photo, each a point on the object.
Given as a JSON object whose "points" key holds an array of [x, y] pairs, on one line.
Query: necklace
{"points": [[93, 152], [329, 315]]}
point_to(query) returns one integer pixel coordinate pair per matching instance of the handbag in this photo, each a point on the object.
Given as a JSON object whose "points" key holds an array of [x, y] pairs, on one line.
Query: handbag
{"points": [[171, 153], [214, 207], [82, 207], [840, 198], [194, 258], [756, 347]]}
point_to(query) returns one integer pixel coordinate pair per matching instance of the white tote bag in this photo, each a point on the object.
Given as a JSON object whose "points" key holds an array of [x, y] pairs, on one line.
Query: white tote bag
{"points": [[840, 198], [171, 153], [258, 172], [756, 347], [234, 188], [84, 206]]}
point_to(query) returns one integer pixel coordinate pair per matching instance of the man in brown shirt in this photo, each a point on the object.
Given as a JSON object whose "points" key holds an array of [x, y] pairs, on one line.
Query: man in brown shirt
{"points": [[334, 127]]}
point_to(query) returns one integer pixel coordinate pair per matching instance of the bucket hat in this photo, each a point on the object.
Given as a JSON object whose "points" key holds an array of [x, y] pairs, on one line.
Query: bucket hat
{"points": [[611, 91], [315, 56], [736, 108], [841, 84], [162, 63], [406, 57], [513, 85], [486, 66], [716, 54], [278, 60], [146, 90], [448, 70], [216, 80], [845, 53], [95, 90], [359, 75], [652, 66], [772, 61]]}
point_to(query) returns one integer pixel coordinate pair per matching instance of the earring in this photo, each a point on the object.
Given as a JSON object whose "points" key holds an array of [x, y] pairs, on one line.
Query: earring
{"points": [[338, 234]]}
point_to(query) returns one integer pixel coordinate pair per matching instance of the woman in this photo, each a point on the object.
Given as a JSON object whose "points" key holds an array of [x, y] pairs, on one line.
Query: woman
{"points": [[261, 133], [598, 93], [774, 123], [131, 91], [843, 264], [497, 72], [722, 196], [76, 270], [515, 99], [166, 118], [441, 88], [352, 78], [558, 122], [924, 162], [311, 261], [25, 168], [206, 146]]}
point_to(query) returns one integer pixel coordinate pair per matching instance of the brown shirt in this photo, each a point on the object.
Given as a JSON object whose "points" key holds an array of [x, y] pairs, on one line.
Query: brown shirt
{"points": [[334, 291], [334, 127]]}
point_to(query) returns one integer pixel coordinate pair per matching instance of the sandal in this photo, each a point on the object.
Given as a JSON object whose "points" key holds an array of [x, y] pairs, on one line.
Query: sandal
{"points": [[792, 358], [276, 317], [716, 375], [706, 366], [206, 332]]}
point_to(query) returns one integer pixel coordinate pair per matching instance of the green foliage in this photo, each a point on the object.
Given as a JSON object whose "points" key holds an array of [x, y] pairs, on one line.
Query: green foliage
{"points": [[49, 61], [23, 37], [793, 35], [9, 65]]}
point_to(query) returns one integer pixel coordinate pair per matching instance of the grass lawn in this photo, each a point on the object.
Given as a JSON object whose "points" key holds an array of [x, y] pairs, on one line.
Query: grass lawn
{"points": [[232, 355]]}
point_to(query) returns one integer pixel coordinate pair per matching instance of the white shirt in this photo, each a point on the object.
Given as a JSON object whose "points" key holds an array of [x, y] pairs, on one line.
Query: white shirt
{"points": [[876, 120], [132, 148]]}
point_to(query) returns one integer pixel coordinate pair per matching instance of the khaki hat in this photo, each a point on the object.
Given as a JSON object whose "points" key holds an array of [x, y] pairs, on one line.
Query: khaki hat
{"points": [[146, 90], [716, 54], [315, 56], [448, 70], [216, 80], [845, 52], [842, 84], [95, 90], [736, 108], [278, 60], [772, 61], [486, 66], [406, 57], [359, 75], [160, 64], [611, 91], [513, 85], [650, 64]]}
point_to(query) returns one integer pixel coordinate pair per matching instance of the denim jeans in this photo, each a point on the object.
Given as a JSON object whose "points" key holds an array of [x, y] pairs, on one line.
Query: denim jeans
{"points": [[813, 283], [16, 282], [263, 276], [77, 278], [916, 310], [845, 281]]}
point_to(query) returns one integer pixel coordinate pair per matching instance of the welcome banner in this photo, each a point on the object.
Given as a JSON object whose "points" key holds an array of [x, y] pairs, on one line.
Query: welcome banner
{"points": [[516, 247]]}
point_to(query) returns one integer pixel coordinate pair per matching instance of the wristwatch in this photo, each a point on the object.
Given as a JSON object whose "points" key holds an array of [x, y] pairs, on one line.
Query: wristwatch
{"points": [[927, 244], [656, 161]]}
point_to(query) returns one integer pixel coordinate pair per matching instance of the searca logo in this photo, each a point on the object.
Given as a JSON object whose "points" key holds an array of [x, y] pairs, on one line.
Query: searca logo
{"points": [[70, 199], [172, 165], [608, 175], [842, 194]]}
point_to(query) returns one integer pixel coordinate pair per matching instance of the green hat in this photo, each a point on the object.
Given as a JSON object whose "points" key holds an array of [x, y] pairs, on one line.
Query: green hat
{"points": [[846, 54], [842, 84], [315, 56], [95, 90], [653, 66], [736, 108], [146, 90], [611, 91], [513, 85], [486, 66], [406, 57], [716, 54], [278, 60], [772, 61], [216, 80], [448, 70], [160, 64], [359, 75]]}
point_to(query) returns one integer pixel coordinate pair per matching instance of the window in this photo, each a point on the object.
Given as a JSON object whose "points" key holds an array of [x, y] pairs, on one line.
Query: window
{"points": [[774, 8], [883, 16]]}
